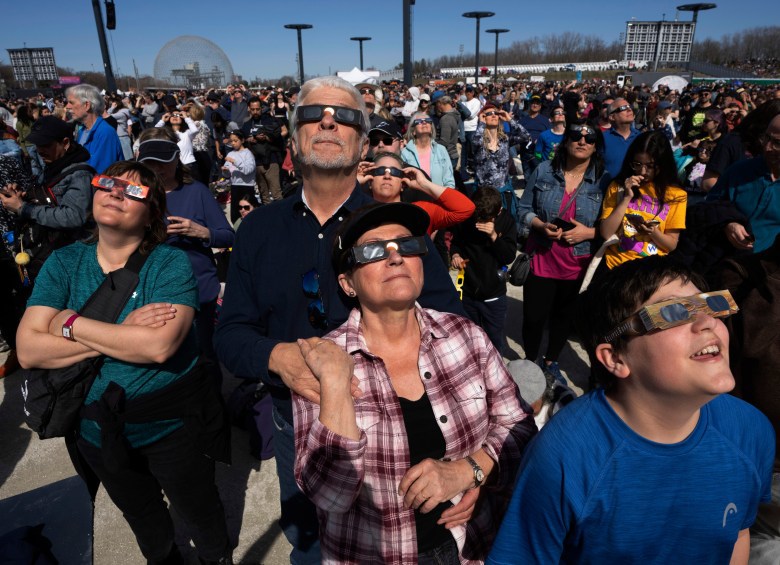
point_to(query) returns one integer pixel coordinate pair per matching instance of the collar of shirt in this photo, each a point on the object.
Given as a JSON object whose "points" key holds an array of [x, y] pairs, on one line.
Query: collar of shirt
{"points": [[356, 341]]}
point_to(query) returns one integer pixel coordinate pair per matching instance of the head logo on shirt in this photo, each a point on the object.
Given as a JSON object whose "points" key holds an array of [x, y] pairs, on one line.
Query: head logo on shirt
{"points": [[731, 508]]}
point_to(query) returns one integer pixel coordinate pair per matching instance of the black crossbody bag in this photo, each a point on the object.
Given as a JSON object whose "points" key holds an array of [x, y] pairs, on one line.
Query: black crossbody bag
{"points": [[53, 397]]}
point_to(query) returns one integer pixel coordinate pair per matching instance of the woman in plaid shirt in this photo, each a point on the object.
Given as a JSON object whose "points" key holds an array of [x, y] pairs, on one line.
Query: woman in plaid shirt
{"points": [[413, 450]]}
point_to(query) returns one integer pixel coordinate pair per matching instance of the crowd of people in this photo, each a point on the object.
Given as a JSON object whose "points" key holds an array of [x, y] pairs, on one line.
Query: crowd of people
{"points": [[308, 241]]}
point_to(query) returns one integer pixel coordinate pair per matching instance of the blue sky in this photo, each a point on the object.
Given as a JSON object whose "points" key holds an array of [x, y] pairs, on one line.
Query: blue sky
{"points": [[252, 34]]}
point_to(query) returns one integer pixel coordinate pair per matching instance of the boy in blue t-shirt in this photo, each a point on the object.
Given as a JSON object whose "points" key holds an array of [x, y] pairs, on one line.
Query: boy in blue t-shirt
{"points": [[658, 465]]}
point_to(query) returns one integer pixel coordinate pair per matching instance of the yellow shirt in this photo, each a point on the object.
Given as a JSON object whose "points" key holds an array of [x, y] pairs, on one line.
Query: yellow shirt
{"points": [[632, 244]]}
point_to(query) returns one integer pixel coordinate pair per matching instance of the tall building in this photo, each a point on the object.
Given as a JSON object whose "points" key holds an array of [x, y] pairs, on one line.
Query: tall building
{"points": [[662, 41], [31, 64]]}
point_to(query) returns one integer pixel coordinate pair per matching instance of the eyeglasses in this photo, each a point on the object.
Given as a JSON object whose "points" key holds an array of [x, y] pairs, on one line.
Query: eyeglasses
{"points": [[622, 108], [315, 113], [386, 140], [315, 309], [558, 113], [247, 207], [420, 121], [488, 114], [367, 91], [379, 250], [638, 167], [392, 171], [582, 132], [675, 312], [133, 191]]}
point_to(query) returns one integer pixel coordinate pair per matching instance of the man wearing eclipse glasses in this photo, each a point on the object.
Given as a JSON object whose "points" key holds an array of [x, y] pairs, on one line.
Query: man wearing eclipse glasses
{"points": [[283, 287], [660, 464], [619, 136]]}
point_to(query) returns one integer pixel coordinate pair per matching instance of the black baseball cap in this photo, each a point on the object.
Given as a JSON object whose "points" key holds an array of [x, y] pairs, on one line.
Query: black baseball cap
{"points": [[160, 150], [49, 129], [412, 217], [389, 128]]}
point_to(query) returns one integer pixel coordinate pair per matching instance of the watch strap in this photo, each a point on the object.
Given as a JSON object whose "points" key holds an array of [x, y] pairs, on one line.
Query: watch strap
{"points": [[69, 326], [477, 469]]}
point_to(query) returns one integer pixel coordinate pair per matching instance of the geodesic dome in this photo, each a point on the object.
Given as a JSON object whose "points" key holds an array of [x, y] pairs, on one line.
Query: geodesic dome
{"points": [[193, 62]]}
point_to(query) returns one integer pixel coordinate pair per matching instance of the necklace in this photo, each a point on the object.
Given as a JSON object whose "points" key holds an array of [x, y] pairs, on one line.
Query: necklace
{"points": [[572, 174]]}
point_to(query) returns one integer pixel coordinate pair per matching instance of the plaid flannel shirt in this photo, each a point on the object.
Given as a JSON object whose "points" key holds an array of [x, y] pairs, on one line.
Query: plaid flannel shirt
{"points": [[354, 484]]}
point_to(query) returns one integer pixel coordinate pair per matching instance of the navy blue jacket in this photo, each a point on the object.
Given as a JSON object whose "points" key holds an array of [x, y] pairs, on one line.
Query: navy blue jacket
{"points": [[195, 202], [264, 303]]}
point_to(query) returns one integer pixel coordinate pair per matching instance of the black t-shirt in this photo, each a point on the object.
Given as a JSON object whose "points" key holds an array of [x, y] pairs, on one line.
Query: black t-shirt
{"points": [[728, 151], [425, 442]]}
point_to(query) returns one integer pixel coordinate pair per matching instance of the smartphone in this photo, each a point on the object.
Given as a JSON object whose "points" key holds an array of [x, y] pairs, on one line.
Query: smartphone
{"points": [[563, 224], [653, 223], [635, 219]]}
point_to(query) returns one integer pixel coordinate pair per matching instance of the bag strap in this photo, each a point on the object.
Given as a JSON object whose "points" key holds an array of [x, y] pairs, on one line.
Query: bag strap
{"points": [[572, 199], [107, 302]]}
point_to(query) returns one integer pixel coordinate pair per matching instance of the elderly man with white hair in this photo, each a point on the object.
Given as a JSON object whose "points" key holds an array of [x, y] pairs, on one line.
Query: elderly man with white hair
{"points": [[283, 286], [86, 106]]}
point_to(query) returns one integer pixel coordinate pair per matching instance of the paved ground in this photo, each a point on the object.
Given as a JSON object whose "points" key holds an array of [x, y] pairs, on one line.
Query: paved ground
{"points": [[32, 491]]}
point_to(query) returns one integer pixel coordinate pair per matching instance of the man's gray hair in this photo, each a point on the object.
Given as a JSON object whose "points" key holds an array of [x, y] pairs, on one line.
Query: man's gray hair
{"points": [[331, 82], [91, 94]]}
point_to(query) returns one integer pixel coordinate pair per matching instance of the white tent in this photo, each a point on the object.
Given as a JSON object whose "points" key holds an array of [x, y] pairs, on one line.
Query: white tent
{"points": [[674, 82], [356, 76]]}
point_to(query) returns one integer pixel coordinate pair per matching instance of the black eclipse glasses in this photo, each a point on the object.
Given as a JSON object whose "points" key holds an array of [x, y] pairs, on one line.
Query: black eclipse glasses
{"points": [[392, 171], [379, 250], [578, 132], [315, 113]]}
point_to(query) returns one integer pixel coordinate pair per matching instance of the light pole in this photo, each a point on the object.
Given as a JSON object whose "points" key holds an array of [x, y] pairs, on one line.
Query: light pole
{"points": [[495, 61], [695, 8], [478, 16], [110, 81], [298, 28], [361, 40]]}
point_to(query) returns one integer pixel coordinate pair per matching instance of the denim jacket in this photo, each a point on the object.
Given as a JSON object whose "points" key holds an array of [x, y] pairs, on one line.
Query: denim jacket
{"points": [[542, 197], [441, 165]]}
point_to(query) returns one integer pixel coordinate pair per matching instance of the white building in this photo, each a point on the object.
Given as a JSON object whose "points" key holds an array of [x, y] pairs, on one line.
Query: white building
{"points": [[31, 64], [660, 41]]}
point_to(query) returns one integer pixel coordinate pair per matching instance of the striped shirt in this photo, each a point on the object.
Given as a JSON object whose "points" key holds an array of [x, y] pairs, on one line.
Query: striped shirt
{"points": [[354, 483]]}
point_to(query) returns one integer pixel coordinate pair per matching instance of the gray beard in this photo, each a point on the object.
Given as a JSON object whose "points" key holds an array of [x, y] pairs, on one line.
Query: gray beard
{"points": [[342, 161]]}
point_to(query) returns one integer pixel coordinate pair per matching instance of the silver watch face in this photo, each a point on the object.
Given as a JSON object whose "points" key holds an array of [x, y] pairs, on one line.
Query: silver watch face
{"points": [[480, 475], [66, 332]]}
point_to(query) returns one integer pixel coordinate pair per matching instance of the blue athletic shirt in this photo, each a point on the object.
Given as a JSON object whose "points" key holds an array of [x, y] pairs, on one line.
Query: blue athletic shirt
{"points": [[591, 490], [70, 276]]}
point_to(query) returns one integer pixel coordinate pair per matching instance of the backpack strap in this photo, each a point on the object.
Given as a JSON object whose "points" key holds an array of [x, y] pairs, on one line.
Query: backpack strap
{"points": [[107, 302]]}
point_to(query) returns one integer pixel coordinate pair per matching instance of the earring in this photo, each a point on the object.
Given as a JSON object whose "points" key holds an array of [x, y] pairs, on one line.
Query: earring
{"points": [[352, 293]]}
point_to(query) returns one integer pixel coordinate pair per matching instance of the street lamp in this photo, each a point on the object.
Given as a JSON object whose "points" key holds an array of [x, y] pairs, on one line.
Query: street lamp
{"points": [[478, 16], [695, 8], [495, 62], [298, 28], [361, 40], [110, 81]]}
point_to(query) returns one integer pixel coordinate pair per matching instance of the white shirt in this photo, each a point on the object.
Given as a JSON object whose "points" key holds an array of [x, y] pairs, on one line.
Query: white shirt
{"points": [[474, 106]]}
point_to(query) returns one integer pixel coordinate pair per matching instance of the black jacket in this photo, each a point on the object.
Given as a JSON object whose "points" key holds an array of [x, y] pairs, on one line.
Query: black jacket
{"points": [[485, 257]]}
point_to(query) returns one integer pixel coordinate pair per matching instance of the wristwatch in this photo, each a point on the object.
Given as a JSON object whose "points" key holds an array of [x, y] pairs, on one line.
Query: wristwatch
{"points": [[67, 327], [479, 474]]}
